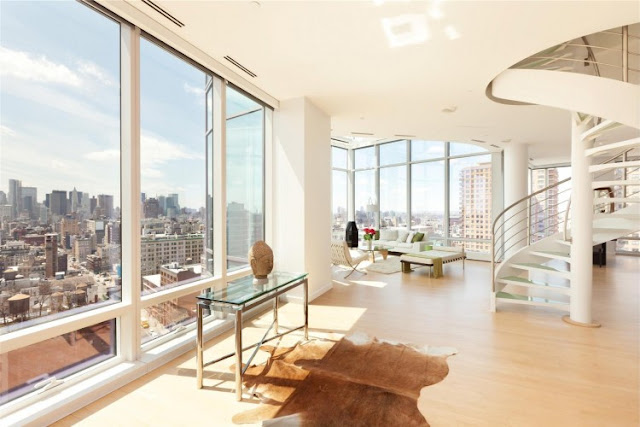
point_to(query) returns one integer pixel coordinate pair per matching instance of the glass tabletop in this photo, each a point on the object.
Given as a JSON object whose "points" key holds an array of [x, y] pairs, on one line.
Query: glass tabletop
{"points": [[373, 247], [243, 290]]}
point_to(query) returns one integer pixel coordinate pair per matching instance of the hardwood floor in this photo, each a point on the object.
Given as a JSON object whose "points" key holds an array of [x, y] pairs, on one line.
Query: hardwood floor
{"points": [[520, 366]]}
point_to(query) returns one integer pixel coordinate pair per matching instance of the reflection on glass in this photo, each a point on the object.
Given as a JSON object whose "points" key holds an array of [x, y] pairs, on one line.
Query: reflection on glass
{"points": [[393, 153], [365, 194], [423, 150], [245, 176], [31, 368], [339, 184], [339, 158], [173, 114], [161, 319], [459, 148], [393, 197], [364, 158], [59, 163], [470, 200], [427, 198]]}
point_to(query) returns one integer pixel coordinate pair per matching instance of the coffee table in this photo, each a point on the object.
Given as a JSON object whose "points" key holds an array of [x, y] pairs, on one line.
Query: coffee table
{"points": [[384, 251]]}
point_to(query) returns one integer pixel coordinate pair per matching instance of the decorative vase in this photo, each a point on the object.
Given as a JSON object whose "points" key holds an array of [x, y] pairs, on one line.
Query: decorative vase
{"points": [[261, 259], [369, 243], [351, 234]]}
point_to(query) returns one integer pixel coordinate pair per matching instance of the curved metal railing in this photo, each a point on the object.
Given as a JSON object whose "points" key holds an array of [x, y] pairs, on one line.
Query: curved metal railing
{"points": [[604, 54]]}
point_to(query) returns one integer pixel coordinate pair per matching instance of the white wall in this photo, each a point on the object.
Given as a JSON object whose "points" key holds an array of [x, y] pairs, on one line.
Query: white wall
{"points": [[302, 192]]}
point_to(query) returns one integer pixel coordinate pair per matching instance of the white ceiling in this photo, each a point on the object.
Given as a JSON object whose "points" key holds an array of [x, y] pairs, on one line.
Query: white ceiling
{"points": [[336, 53]]}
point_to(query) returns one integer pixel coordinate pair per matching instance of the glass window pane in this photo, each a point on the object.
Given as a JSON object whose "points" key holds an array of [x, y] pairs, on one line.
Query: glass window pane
{"points": [[59, 162], [423, 150], [393, 197], [460, 148], [365, 195], [161, 319], [470, 200], [427, 198], [365, 158], [245, 177], [29, 368], [339, 157], [548, 208], [173, 110], [339, 183], [393, 153]]}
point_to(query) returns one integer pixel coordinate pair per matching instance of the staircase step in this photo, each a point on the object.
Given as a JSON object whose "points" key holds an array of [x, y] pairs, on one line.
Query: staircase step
{"points": [[613, 146], [616, 165], [529, 300], [598, 130], [562, 256], [600, 184], [521, 281], [532, 266]]}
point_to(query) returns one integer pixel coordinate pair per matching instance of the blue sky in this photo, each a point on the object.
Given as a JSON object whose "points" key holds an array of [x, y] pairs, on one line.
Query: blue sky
{"points": [[59, 106]]}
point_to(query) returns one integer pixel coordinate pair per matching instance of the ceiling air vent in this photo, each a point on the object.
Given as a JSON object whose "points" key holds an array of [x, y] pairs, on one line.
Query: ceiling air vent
{"points": [[239, 65], [362, 133], [163, 12], [494, 146], [479, 140], [404, 136]]}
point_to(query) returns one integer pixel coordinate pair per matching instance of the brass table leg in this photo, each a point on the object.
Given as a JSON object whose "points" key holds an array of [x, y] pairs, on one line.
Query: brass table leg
{"points": [[238, 355]]}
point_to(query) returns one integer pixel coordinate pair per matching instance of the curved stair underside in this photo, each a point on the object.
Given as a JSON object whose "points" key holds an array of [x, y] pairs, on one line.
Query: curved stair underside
{"points": [[617, 101]]}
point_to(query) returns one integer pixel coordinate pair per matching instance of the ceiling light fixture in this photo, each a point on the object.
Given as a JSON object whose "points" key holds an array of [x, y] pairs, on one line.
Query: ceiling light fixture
{"points": [[405, 30], [451, 32]]}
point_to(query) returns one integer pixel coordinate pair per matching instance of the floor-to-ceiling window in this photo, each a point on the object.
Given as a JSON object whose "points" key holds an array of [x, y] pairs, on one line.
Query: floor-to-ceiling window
{"points": [[446, 187], [174, 117], [549, 207], [339, 182], [60, 252], [116, 154], [245, 176], [365, 196]]}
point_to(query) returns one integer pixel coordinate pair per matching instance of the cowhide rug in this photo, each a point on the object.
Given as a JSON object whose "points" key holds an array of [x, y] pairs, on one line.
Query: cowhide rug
{"points": [[356, 381]]}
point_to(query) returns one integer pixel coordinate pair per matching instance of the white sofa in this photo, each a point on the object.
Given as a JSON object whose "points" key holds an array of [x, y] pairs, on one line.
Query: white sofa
{"points": [[392, 239]]}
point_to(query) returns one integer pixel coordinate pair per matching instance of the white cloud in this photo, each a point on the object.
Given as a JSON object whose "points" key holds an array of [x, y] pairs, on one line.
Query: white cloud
{"points": [[31, 67], [193, 90], [94, 72], [156, 152], [103, 155], [6, 130]]}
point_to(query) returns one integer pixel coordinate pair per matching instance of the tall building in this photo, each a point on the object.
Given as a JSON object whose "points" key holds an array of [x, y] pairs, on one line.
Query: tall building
{"points": [[30, 200], [97, 228], [3, 198], [58, 202], [51, 254], [161, 249], [151, 208], [113, 233], [544, 209], [105, 203], [74, 197], [82, 248], [475, 206], [15, 197]]}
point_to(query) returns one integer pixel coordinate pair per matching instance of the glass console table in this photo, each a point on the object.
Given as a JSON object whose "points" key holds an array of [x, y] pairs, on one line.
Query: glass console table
{"points": [[239, 296]]}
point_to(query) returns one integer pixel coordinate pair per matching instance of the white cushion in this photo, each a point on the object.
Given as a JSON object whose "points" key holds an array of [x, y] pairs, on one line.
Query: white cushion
{"points": [[388, 234], [410, 237], [402, 236], [404, 245]]}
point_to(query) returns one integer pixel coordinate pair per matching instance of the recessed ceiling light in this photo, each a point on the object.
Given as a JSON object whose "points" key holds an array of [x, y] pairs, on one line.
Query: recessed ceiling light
{"points": [[450, 109], [451, 32], [405, 30], [256, 4]]}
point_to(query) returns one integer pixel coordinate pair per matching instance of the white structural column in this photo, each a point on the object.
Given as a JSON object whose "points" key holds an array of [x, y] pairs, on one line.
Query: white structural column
{"points": [[302, 192], [516, 170], [581, 228]]}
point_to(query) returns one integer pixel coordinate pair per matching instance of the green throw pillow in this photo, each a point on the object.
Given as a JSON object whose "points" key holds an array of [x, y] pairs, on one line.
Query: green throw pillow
{"points": [[417, 238], [377, 235]]}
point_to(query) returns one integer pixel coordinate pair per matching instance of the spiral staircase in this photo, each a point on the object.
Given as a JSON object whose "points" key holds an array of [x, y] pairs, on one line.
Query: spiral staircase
{"points": [[532, 240]]}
